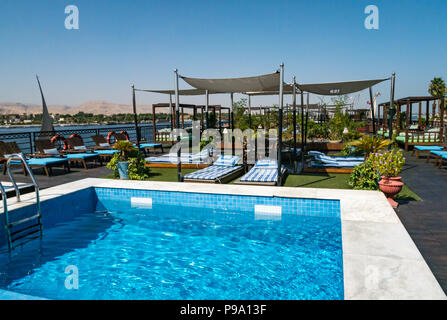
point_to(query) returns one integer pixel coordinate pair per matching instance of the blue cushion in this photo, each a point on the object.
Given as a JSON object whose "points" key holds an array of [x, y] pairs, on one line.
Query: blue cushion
{"points": [[227, 160], [267, 163]]}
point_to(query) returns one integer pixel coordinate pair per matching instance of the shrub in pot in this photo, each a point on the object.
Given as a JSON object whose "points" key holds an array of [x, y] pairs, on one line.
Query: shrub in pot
{"points": [[134, 164], [389, 164], [364, 177]]}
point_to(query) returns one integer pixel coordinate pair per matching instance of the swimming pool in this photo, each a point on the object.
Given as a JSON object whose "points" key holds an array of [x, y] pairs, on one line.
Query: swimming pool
{"points": [[150, 244]]}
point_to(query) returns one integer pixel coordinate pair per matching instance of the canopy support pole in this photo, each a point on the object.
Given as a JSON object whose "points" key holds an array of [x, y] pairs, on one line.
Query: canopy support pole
{"points": [[134, 105], [249, 111], [302, 131], [372, 110], [307, 118], [294, 124], [393, 79], [281, 79], [207, 102], [171, 111], [231, 120], [177, 116]]}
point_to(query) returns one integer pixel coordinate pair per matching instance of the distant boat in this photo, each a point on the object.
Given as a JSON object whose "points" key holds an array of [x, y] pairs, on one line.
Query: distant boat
{"points": [[47, 122]]}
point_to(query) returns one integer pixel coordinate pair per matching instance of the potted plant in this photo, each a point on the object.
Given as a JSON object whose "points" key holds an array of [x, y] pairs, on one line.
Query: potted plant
{"points": [[370, 144], [125, 147], [389, 164]]}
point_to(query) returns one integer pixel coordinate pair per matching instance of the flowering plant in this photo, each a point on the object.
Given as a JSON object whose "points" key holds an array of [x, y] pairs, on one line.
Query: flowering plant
{"points": [[389, 163]]}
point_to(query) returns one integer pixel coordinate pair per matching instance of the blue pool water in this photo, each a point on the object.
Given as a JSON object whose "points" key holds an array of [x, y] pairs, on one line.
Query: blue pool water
{"points": [[182, 246]]}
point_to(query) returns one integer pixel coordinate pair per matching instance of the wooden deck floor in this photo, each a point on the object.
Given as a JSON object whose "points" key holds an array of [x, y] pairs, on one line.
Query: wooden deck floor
{"points": [[426, 220]]}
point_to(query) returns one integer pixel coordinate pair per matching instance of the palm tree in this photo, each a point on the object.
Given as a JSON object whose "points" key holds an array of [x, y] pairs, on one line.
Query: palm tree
{"points": [[370, 144], [437, 88]]}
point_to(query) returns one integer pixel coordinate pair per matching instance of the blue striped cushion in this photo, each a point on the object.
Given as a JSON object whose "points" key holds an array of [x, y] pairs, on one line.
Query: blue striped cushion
{"points": [[227, 160], [267, 163], [211, 173], [259, 174]]}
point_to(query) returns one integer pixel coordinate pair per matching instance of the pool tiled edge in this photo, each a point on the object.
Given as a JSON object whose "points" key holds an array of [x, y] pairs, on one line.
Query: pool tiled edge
{"points": [[380, 261]]}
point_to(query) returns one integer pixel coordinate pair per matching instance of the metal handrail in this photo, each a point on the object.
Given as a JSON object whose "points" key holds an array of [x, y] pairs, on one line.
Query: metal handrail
{"points": [[19, 156], [5, 212]]}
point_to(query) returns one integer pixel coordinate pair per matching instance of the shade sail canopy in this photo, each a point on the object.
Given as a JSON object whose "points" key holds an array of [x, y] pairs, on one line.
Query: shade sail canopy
{"points": [[184, 92], [287, 89], [267, 82], [339, 88]]}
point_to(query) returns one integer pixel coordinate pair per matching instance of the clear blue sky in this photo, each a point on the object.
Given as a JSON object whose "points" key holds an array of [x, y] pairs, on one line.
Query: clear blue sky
{"points": [[141, 42]]}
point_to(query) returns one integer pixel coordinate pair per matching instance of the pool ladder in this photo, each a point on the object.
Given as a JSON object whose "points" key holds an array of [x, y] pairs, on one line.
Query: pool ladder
{"points": [[26, 227]]}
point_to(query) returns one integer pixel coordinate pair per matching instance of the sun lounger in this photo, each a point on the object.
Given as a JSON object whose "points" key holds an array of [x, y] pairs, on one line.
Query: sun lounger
{"points": [[198, 160], [223, 170], [73, 155], [425, 149], [321, 157], [332, 166], [264, 172], [442, 159], [436, 155], [151, 146], [34, 160]]}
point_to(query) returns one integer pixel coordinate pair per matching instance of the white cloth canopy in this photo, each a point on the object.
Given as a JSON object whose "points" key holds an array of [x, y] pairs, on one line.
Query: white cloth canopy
{"points": [[339, 88]]}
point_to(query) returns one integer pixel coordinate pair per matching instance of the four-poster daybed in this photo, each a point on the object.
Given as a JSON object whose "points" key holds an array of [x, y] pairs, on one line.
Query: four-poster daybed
{"points": [[421, 132]]}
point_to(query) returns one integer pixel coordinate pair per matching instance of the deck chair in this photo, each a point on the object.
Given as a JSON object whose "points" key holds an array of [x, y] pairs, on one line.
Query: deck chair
{"points": [[225, 169], [436, 155], [77, 143], [45, 147], [425, 149], [264, 172], [199, 160], [321, 157], [46, 162], [442, 159], [101, 142]]}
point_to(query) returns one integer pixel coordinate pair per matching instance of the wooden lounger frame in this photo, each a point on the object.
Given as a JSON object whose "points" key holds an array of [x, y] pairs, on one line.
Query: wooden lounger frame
{"points": [[46, 168], [224, 179], [328, 170], [174, 165]]}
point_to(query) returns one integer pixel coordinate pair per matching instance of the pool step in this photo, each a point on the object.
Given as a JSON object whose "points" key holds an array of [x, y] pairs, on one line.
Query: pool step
{"points": [[22, 230], [12, 224], [11, 192]]}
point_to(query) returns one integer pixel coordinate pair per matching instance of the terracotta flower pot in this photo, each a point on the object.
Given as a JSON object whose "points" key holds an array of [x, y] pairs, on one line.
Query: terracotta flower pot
{"points": [[391, 187], [392, 178]]}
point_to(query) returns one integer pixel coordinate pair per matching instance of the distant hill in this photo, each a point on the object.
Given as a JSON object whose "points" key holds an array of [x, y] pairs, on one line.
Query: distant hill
{"points": [[95, 107]]}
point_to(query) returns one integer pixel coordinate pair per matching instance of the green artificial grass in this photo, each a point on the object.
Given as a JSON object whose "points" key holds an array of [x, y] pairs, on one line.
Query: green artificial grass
{"points": [[337, 181], [160, 174], [306, 180]]}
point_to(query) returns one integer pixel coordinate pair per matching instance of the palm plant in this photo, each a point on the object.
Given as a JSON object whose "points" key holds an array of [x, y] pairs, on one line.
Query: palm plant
{"points": [[437, 88], [125, 148], [370, 144]]}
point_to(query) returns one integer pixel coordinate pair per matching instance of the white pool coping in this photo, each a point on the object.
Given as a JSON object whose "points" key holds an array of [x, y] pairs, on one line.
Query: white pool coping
{"points": [[380, 260]]}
